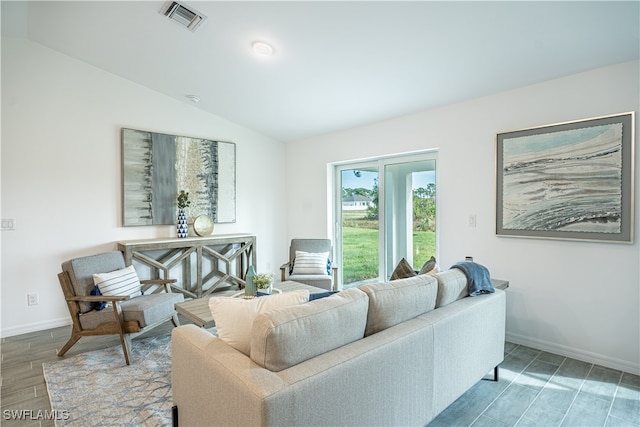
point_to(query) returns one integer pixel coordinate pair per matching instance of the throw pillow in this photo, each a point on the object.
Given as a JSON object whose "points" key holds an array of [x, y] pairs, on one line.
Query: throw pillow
{"points": [[429, 266], [310, 263], [99, 305], [403, 270], [320, 295], [123, 282], [234, 316]]}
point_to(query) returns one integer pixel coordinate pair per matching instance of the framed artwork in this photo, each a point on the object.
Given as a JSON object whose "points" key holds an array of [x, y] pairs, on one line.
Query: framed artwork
{"points": [[570, 180], [156, 166]]}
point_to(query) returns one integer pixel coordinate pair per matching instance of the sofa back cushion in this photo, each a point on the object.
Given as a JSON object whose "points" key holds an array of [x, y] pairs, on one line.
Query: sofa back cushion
{"points": [[452, 286], [399, 300], [234, 316], [287, 336]]}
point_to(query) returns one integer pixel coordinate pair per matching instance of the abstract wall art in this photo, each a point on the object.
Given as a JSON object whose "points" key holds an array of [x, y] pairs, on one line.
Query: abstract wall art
{"points": [[156, 166], [571, 180]]}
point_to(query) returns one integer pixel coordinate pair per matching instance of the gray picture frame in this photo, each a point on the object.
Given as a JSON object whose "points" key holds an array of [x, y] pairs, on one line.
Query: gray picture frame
{"points": [[571, 180], [157, 166]]}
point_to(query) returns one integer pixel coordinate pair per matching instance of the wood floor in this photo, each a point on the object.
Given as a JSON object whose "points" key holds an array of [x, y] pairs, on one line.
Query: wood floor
{"points": [[24, 397], [535, 388]]}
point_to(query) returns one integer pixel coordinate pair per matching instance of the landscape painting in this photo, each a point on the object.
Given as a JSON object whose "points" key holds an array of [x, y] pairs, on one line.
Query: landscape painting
{"points": [[571, 180], [156, 167]]}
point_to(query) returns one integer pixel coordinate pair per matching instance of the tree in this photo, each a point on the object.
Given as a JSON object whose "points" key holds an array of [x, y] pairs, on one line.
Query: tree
{"points": [[424, 208]]}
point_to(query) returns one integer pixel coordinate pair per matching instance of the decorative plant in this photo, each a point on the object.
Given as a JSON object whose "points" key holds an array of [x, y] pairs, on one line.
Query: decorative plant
{"points": [[183, 199], [263, 280]]}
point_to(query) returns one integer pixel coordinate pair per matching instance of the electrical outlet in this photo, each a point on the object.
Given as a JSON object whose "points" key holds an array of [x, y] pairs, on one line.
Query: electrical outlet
{"points": [[32, 298]]}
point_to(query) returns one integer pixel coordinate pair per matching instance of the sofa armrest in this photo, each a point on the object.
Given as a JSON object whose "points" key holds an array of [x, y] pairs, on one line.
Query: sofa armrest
{"points": [[214, 384]]}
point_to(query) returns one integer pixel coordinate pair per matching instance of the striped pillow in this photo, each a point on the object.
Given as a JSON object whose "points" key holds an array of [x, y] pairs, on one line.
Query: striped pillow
{"points": [[123, 282], [310, 263]]}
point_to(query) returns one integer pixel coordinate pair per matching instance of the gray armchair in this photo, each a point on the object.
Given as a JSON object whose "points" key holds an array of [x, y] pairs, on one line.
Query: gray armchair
{"points": [[320, 278], [126, 317]]}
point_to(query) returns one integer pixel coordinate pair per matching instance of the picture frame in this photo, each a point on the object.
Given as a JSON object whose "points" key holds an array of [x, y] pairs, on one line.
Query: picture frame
{"points": [[157, 166], [571, 180]]}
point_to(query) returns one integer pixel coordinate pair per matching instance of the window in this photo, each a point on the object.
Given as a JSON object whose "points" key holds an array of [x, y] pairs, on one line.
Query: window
{"points": [[385, 210]]}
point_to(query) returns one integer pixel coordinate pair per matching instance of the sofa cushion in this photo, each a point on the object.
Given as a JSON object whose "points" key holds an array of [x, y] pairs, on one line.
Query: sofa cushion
{"points": [[234, 316], [287, 336], [452, 286], [399, 300]]}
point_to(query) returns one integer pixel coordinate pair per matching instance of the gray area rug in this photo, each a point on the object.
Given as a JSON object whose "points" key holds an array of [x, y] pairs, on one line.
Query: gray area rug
{"points": [[97, 388]]}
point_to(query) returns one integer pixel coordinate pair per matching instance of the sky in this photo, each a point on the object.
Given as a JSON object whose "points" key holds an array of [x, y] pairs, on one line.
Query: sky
{"points": [[366, 180]]}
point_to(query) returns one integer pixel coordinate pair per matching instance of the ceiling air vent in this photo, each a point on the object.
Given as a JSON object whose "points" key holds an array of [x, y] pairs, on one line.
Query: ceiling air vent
{"points": [[183, 15]]}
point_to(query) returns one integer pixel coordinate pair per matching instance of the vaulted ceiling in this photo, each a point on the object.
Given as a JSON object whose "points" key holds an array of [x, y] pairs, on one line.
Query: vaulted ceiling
{"points": [[338, 64]]}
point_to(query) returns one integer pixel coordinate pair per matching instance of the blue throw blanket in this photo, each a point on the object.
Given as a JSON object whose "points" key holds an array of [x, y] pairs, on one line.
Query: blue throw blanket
{"points": [[478, 278]]}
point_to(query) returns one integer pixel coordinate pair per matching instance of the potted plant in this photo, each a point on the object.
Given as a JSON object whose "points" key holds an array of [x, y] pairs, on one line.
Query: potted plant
{"points": [[263, 282], [183, 202]]}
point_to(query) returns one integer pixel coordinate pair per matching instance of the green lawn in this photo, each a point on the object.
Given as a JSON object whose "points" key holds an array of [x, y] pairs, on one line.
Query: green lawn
{"points": [[360, 252]]}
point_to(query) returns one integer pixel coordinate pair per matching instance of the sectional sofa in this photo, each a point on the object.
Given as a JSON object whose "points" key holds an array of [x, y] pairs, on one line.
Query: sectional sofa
{"points": [[386, 354]]}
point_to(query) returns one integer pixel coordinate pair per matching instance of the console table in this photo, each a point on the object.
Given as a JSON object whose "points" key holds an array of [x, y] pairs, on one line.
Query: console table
{"points": [[220, 261]]}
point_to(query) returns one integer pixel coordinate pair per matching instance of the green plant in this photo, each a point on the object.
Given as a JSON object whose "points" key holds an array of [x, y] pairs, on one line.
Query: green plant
{"points": [[183, 199], [263, 280]]}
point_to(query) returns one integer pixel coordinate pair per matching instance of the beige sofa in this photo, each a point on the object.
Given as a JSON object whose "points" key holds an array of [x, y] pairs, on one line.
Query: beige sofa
{"points": [[388, 354]]}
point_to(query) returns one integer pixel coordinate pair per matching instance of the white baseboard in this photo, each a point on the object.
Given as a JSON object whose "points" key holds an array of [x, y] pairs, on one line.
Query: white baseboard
{"points": [[574, 353], [35, 327]]}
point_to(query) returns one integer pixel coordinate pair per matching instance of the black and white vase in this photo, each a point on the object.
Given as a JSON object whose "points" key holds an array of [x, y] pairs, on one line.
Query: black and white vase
{"points": [[182, 224]]}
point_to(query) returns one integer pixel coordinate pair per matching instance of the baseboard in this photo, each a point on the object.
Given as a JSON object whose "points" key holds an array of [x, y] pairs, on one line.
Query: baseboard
{"points": [[585, 356], [35, 327]]}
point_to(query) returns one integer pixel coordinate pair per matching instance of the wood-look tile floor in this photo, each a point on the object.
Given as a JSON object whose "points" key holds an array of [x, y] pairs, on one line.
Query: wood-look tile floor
{"points": [[536, 388]]}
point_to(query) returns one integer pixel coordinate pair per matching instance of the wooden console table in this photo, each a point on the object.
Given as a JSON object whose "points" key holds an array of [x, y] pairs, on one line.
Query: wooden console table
{"points": [[220, 261]]}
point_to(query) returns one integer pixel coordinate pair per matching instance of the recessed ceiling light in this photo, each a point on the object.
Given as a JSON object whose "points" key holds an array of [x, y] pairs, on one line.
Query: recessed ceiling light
{"points": [[193, 98], [262, 49]]}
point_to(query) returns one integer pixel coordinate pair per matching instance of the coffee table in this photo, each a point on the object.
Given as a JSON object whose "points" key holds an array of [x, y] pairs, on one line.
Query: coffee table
{"points": [[197, 310]]}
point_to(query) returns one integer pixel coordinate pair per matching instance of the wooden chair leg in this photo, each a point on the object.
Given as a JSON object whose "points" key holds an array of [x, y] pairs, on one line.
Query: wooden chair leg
{"points": [[125, 340], [74, 339], [175, 320], [495, 374]]}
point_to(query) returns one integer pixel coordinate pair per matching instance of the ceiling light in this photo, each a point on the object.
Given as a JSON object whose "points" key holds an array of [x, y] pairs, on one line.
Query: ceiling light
{"points": [[262, 49], [193, 98]]}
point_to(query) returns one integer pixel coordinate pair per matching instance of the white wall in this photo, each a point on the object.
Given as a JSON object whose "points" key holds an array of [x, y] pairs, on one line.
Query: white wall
{"points": [[61, 124], [580, 299]]}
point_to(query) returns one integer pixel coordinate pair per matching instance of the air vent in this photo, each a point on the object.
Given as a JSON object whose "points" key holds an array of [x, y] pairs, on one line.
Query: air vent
{"points": [[183, 15]]}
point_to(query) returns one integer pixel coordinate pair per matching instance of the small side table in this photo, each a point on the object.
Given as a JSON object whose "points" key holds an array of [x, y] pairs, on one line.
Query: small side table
{"points": [[500, 284]]}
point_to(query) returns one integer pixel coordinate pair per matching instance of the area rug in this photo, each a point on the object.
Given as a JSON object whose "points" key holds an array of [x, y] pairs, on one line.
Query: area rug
{"points": [[97, 388]]}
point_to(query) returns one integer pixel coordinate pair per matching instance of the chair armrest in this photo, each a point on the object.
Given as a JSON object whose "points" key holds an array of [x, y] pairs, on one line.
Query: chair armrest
{"points": [[284, 270], [96, 298]]}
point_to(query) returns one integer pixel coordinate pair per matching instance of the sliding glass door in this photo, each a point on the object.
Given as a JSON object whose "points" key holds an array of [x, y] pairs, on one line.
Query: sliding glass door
{"points": [[358, 231], [385, 211]]}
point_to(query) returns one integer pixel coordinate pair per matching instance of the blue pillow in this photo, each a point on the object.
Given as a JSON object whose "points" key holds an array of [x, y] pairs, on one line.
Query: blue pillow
{"points": [[329, 266], [319, 295], [97, 305]]}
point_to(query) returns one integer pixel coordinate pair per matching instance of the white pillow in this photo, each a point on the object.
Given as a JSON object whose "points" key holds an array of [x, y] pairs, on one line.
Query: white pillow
{"points": [[119, 283], [234, 316], [310, 263]]}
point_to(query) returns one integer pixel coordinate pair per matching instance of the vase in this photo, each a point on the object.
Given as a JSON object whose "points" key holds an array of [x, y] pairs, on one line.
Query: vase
{"points": [[182, 224], [266, 290], [250, 287]]}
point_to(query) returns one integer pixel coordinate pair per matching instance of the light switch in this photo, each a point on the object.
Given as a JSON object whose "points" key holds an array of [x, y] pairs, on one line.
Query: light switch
{"points": [[472, 221], [8, 224]]}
